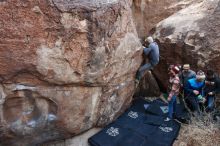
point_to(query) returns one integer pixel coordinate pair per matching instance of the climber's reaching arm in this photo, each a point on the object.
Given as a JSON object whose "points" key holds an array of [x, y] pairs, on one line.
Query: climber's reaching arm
{"points": [[147, 50]]}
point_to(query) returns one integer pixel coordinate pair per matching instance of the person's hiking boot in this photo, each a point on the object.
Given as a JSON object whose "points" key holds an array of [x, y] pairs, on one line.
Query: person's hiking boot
{"points": [[197, 116], [167, 119], [179, 119]]}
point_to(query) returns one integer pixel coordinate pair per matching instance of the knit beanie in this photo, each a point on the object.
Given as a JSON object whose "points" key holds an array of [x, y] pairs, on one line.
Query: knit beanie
{"points": [[200, 75], [175, 69]]}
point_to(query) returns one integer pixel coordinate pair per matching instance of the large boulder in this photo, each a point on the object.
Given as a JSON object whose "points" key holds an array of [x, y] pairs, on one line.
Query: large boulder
{"points": [[147, 13], [190, 36], [65, 67]]}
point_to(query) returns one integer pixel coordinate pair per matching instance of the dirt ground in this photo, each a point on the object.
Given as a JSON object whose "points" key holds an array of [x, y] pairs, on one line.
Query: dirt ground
{"points": [[201, 132]]}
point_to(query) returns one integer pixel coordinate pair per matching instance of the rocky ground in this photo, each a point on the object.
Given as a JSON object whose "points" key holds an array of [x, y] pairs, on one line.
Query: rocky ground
{"points": [[199, 133], [80, 140]]}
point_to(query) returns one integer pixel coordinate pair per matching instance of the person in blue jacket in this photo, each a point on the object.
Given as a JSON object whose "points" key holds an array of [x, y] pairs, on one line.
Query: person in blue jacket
{"points": [[153, 52], [194, 91]]}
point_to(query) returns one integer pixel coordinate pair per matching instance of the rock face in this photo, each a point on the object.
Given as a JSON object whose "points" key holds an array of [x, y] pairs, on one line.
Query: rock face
{"points": [[190, 36], [148, 86], [65, 66], [147, 13]]}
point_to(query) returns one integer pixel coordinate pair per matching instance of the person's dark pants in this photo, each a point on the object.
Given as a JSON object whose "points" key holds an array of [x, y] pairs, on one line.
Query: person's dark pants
{"points": [[172, 107], [194, 103], [210, 103], [143, 68], [182, 97], [188, 103]]}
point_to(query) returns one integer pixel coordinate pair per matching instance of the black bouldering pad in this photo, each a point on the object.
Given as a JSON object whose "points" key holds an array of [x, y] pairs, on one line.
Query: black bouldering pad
{"points": [[116, 135], [159, 108], [136, 127]]}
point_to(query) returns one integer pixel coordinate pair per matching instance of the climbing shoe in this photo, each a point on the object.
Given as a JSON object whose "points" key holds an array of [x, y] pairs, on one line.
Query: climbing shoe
{"points": [[167, 119], [136, 83]]}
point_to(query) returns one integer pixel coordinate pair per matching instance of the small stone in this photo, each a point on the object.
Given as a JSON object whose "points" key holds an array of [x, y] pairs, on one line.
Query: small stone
{"points": [[37, 10]]}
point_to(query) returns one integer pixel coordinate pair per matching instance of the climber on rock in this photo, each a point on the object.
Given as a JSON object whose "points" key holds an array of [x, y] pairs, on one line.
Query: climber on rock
{"points": [[153, 52], [195, 91], [173, 90]]}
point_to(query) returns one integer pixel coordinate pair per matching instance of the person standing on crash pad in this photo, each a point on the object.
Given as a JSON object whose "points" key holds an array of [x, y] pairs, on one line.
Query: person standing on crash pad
{"points": [[173, 89], [153, 52]]}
